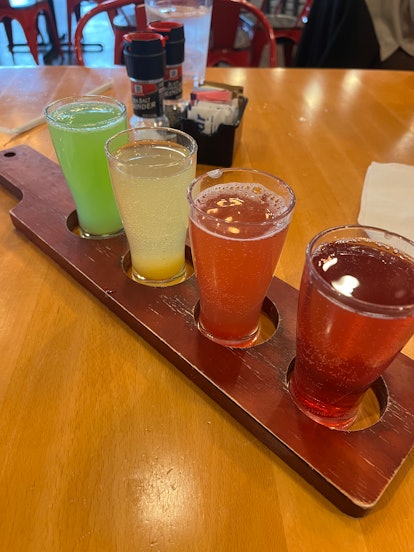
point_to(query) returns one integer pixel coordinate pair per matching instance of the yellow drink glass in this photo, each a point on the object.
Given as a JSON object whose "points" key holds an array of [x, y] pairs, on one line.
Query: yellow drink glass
{"points": [[150, 170]]}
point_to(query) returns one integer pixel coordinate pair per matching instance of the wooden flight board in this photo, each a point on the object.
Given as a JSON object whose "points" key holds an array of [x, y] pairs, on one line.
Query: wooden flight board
{"points": [[350, 468]]}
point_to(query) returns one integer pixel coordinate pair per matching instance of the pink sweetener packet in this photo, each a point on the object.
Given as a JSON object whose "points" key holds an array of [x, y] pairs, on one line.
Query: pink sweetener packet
{"points": [[218, 95]]}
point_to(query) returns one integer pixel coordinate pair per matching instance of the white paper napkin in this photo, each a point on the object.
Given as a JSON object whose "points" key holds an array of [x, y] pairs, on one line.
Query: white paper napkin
{"points": [[388, 198]]}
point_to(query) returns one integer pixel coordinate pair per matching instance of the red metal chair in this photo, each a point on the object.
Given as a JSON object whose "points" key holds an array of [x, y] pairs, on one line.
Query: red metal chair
{"points": [[234, 22], [288, 27], [120, 25], [27, 13], [74, 7]]}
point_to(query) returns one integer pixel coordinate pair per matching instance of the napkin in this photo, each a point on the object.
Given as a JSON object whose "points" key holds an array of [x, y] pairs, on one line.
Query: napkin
{"points": [[388, 198]]}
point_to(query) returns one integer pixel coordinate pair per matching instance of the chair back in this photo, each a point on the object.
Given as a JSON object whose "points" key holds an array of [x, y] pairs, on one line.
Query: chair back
{"points": [[295, 11], [288, 25], [239, 34], [112, 8]]}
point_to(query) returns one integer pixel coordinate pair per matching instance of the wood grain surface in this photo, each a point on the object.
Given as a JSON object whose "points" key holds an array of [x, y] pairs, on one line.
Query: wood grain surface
{"points": [[104, 444]]}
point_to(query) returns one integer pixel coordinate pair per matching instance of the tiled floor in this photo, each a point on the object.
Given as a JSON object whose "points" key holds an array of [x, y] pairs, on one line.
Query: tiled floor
{"points": [[98, 38]]}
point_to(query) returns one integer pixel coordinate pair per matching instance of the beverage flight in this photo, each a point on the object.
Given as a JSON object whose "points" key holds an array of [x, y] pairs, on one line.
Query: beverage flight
{"points": [[356, 297]]}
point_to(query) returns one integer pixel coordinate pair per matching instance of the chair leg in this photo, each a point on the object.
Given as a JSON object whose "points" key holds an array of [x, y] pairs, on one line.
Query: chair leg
{"points": [[288, 51], [9, 33], [52, 31], [31, 33], [77, 12], [43, 41], [31, 37]]}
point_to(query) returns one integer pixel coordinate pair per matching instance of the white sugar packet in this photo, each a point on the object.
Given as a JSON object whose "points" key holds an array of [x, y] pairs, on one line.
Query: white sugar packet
{"points": [[388, 198], [210, 115]]}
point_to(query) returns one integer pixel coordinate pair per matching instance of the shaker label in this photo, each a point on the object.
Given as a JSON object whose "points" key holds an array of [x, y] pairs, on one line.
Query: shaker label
{"points": [[173, 82], [147, 98]]}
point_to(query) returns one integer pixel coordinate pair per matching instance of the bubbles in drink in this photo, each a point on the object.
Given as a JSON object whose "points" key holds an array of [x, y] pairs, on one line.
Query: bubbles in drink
{"points": [[242, 204]]}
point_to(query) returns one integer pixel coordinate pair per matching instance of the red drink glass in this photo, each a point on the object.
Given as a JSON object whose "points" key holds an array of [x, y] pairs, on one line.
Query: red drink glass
{"points": [[355, 313], [238, 223]]}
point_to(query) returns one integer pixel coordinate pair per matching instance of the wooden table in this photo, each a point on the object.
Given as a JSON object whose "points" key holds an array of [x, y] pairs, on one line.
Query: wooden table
{"points": [[104, 444]]}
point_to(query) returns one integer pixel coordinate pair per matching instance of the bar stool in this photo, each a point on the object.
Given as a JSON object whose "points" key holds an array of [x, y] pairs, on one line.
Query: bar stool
{"points": [[226, 47], [26, 12], [288, 25]]}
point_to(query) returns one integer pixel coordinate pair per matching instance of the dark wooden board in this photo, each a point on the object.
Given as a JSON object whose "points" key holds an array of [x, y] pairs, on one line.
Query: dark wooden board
{"points": [[352, 469]]}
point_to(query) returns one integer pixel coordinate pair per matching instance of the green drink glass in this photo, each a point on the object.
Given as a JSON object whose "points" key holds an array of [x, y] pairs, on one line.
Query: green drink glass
{"points": [[79, 127]]}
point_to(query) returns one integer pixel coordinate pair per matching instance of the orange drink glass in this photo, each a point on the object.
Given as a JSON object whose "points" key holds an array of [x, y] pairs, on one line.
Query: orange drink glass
{"points": [[238, 223]]}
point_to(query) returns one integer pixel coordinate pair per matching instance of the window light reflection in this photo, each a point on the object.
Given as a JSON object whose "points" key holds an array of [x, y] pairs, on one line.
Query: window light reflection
{"points": [[351, 82], [164, 495], [346, 285], [404, 145], [313, 94]]}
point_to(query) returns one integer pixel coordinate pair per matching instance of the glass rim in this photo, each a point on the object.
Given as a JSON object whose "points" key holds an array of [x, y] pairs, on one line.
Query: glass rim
{"points": [[350, 302], [68, 100], [287, 211], [151, 130]]}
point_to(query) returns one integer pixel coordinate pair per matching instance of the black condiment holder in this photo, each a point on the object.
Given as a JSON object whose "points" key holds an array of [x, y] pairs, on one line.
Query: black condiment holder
{"points": [[219, 148]]}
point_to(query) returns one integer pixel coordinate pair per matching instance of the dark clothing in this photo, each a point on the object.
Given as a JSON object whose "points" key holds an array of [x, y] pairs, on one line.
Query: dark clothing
{"points": [[339, 33]]}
